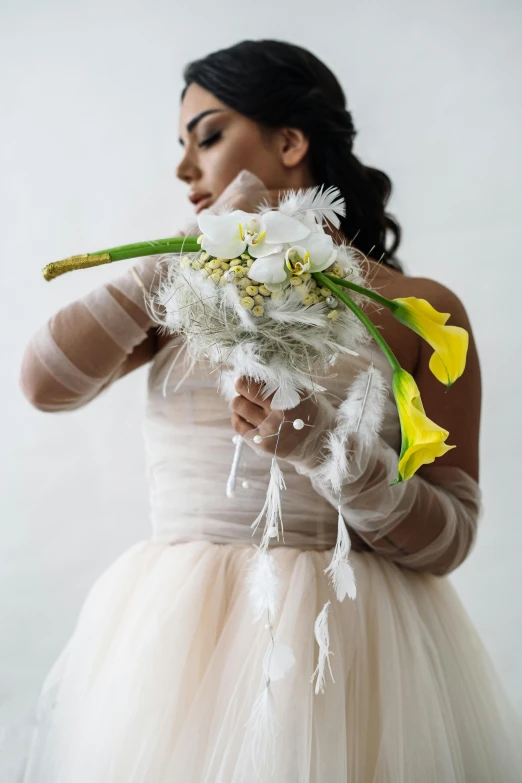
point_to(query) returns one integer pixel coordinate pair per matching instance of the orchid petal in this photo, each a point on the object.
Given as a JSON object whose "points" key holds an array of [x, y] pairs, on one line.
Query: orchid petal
{"points": [[263, 248], [282, 228], [228, 247], [220, 227], [324, 264], [268, 269], [320, 247]]}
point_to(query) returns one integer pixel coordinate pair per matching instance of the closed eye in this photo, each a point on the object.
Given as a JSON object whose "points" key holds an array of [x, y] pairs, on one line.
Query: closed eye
{"points": [[210, 140]]}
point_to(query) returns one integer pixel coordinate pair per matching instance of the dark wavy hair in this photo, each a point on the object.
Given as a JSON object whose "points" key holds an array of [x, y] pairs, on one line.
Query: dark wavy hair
{"points": [[278, 84]]}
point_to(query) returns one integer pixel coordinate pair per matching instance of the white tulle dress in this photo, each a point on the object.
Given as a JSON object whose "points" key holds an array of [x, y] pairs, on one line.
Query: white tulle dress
{"points": [[158, 679]]}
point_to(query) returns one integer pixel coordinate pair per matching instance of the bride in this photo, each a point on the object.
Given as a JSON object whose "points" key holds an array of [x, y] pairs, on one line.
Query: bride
{"points": [[158, 679]]}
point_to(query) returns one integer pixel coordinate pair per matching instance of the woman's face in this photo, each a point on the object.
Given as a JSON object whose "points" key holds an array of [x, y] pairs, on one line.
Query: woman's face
{"points": [[218, 143]]}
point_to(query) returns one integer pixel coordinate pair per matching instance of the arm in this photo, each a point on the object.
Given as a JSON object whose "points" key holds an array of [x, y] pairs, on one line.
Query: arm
{"points": [[427, 523], [423, 524], [91, 342]]}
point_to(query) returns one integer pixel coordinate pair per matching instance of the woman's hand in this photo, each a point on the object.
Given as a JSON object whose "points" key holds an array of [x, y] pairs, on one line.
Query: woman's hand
{"points": [[253, 418], [246, 192]]}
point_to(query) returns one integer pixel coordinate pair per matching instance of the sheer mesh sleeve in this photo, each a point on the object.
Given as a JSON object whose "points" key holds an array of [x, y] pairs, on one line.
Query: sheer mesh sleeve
{"points": [[84, 347], [420, 524]]}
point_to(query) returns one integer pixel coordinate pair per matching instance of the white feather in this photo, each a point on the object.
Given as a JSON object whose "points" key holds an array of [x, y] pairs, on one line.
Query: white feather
{"points": [[327, 204], [262, 727], [227, 384], [263, 585], [334, 469], [272, 505], [363, 409], [291, 310], [286, 394], [231, 295], [323, 640], [362, 412], [340, 569]]}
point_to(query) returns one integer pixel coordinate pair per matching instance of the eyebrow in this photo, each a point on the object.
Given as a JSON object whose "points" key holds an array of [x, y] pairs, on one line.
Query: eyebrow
{"points": [[194, 121]]}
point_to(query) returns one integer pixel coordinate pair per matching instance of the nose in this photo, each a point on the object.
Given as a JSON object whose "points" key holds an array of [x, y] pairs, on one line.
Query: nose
{"points": [[186, 171]]}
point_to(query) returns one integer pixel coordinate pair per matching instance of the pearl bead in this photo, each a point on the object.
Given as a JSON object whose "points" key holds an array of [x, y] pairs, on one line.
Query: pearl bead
{"points": [[257, 438], [245, 484], [272, 532], [267, 625], [298, 424], [331, 301]]}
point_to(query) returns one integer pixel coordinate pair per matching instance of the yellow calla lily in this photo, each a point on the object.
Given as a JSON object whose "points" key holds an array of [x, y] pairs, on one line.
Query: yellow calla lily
{"points": [[450, 343], [422, 439]]}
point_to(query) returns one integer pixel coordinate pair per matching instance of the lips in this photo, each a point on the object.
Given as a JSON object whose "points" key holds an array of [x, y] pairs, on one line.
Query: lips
{"points": [[198, 198], [202, 203]]}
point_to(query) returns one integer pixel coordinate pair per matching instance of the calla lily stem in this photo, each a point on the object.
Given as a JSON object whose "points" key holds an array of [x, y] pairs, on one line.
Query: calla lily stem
{"points": [[365, 291], [328, 282]]}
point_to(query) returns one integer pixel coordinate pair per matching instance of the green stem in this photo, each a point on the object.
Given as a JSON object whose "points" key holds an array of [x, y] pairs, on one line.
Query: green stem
{"points": [[136, 250], [153, 246], [365, 291], [379, 339]]}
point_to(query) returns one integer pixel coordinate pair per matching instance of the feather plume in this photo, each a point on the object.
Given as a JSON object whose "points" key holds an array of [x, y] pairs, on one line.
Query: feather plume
{"points": [[340, 569], [323, 640], [363, 409], [272, 505], [335, 466], [362, 412], [263, 580], [292, 311], [325, 205], [262, 727], [227, 384]]}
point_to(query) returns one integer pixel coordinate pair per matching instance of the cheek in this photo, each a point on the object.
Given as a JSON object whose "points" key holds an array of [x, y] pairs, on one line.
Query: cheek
{"points": [[235, 153]]}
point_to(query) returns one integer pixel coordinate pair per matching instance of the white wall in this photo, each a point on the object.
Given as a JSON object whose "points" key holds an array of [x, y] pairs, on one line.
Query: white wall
{"points": [[89, 98]]}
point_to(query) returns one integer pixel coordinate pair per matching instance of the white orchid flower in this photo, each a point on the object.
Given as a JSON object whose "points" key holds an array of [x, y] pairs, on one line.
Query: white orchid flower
{"points": [[270, 270], [262, 234], [313, 254], [310, 219]]}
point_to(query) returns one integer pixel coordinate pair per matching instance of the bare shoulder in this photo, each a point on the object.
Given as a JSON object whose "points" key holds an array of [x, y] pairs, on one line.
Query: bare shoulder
{"points": [[439, 296], [392, 284], [406, 344]]}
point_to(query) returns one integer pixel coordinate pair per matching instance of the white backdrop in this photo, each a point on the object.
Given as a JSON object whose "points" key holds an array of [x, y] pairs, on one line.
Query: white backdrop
{"points": [[89, 126]]}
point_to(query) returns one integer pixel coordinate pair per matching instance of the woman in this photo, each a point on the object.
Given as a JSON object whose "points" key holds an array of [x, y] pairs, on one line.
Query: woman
{"points": [[158, 680]]}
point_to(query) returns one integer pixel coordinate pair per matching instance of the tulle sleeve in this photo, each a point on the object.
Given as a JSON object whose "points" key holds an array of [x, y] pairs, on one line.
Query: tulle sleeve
{"points": [[422, 525], [85, 346], [91, 342]]}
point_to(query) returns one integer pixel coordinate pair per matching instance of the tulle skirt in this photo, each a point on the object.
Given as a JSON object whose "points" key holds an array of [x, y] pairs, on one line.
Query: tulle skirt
{"points": [[158, 680]]}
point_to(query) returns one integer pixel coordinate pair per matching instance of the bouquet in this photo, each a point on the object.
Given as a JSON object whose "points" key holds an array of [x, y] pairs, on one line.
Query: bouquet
{"points": [[270, 295]]}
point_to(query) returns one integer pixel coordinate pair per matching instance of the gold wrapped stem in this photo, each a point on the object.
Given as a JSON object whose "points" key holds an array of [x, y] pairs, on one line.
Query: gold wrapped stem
{"points": [[84, 261]]}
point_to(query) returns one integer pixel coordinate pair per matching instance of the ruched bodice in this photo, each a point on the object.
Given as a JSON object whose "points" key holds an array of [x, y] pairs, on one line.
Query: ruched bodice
{"points": [[188, 438]]}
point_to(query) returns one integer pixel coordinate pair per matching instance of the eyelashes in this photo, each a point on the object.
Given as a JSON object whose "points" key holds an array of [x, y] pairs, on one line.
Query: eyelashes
{"points": [[210, 140]]}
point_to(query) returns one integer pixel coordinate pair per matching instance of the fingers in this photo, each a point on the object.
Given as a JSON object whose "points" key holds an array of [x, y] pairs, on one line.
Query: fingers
{"points": [[242, 427], [253, 414], [253, 391]]}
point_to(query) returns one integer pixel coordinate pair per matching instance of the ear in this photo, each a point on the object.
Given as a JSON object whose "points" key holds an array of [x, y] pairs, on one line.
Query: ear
{"points": [[293, 146]]}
